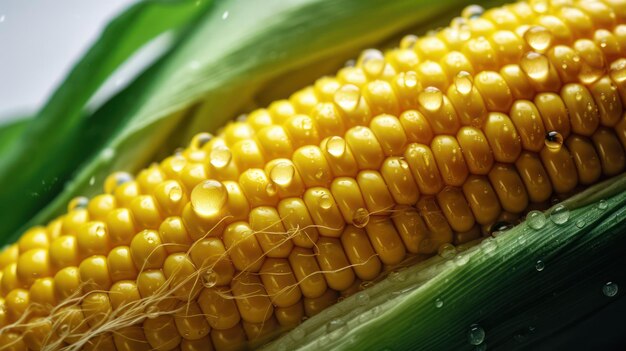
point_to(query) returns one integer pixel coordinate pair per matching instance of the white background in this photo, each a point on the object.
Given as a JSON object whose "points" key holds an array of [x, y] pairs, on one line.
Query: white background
{"points": [[39, 42]]}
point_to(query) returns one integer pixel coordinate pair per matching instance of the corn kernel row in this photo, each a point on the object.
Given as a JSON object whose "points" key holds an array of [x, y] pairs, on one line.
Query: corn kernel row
{"points": [[283, 212]]}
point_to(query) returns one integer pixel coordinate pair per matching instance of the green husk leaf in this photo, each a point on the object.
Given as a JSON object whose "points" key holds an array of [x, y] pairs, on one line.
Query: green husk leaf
{"points": [[11, 131], [526, 288], [50, 148], [223, 62]]}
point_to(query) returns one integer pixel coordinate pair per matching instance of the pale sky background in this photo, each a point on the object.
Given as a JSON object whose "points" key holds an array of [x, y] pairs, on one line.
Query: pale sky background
{"points": [[39, 42]]}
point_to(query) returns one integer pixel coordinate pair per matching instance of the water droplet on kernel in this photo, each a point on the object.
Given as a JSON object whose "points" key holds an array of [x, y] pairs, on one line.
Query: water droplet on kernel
{"points": [[463, 83], [610, 289], [220, 156], [361, 217], [208, 198], [475, 334], [320, 174], [64, 329], [336, 146], [410, 79], [408, 41], [540, 265], [282, 173], [431, 99], [116, 179], [554, 140], [325, 201], [373, 62], [472, 11], [77, 202], [178, 162], [535, 65], [347, 97], [559, 214], [209, 278], [199, 140], [602, 205], [538, 38], [536, 219], [540, 6], [101, 231], [270, 189], [447, 251], [175, 193]]}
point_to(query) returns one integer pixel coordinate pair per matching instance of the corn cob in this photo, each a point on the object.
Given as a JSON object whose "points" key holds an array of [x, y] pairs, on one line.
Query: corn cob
{"points": [[244, 234]]}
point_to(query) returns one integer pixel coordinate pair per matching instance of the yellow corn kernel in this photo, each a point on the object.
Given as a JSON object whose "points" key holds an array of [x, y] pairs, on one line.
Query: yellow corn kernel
{"points": [[280, 282], [585, 157], [307, 272], [219, 308], [245, 233], [251, 298], [360, 253], [243, 247]]}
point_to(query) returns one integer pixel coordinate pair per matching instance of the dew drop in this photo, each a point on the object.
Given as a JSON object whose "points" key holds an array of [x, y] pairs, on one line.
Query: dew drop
{"points": [[108, 153], [101, 231], [282, 173], [116, 179], [325, 201], [335, 324], [320, 174], [489, 246], [602, 205], [463, 83], [559, 214], [336, 146], [297, 333], [208, 198], [431, 99], [540, 6], [270, 189], [554, 140], [220, 156], [538, 38], [472, 11], [347, 97], [536, 219], [175, 193], [610, 289], [540, 265], [77, 202], [475, 334], [447, 251], [361, 217], [64, 329], [500, 227], [408, 41], [535, 65], [199, 140], [438, 303], [178, 162], [362, 298], [410, 79], [225, 15], [373, 62], [461, 259], [618, 71], [209, 278], [580, 223]]}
